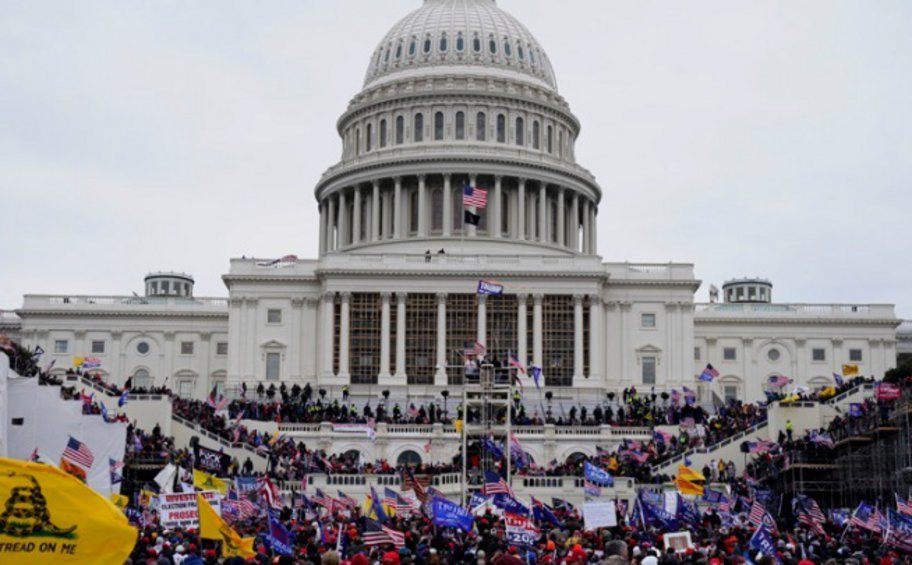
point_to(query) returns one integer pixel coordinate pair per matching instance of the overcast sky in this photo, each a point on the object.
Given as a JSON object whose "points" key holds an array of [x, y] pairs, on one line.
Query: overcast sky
{"points": [[759, 138]]}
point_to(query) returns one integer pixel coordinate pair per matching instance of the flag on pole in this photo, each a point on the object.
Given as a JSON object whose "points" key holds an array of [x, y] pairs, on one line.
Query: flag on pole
{"points": [[474, 196], [709, 373], [495, 484]]}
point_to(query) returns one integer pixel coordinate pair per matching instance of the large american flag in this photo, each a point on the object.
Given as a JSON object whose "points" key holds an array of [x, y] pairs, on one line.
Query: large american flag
{"points": [[78, 453], [347, 501], [759, 516], [494, 484], [378, 534], [867, 518], [903, 506], [809, 514], [417, 484], [323, 499], [474, 196]]}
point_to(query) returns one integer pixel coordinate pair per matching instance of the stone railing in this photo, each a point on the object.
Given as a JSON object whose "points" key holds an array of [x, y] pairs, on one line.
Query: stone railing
{"points": [[215, 437], [358, 486], [679, 458], [822, 310], [383, 429], [41, 301]]}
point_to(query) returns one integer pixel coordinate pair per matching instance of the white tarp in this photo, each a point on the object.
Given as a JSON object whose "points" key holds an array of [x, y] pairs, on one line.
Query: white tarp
{"points": [[599, 515], [39, 418]]}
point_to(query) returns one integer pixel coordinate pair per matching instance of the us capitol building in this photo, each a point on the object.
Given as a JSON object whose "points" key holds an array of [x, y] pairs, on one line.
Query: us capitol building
{"points": [[458, 93]]}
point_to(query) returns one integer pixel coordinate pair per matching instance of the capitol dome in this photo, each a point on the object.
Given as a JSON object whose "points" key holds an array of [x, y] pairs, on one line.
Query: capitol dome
{"points": [[464, 35], [458, 94]]}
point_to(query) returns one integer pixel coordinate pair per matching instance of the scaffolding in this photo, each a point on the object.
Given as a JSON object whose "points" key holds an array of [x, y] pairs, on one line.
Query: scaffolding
{"points": [[487, 405], [869, 464]]}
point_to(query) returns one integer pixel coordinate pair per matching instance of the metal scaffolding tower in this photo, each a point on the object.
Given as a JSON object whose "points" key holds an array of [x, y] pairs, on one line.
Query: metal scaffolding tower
{"points": [[487, 408]]}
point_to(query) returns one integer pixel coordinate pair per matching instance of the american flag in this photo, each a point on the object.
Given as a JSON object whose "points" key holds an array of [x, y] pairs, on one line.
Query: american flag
{"points": [[903, 506], [417, 484], [759, 516], [868, 518], [389, 499], [247, 509], [347, 501], [474, 196], [78, 453], [323, 499], [809, 514], [378, 534], [475, 349], [591, 489], [269, 492], [406, 505], [515, 362], [494, 484]]}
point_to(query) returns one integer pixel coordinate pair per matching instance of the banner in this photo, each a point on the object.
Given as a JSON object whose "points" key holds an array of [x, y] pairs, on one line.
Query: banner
{"points": [[180, 510], [599, 515], [520, 530], [887, 391], [51, 517], [446, 513], [490, 288], [351, 429], [598, 475], [210, 461]]}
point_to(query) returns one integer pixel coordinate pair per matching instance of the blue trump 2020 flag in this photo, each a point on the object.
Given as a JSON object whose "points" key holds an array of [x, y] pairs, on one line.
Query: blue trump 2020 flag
{"points": [[598, 475], [450, 514], [762, 541], [278, 536]]}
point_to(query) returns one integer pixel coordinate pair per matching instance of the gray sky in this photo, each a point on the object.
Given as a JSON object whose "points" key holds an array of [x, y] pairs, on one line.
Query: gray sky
{"points": [[765, 138]]}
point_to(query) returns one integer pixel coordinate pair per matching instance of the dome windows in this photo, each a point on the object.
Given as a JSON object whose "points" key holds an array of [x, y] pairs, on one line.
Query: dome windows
{"points": [[520, 131], [418, 135], [443, 43], [386, 55], [400, 130], [492, 45], [520, 51], [382, 134], [369, 137], [460, 43], [399, 51], [481, 127], [438, 126], [501, 128], [476, 44], [508, 49], [460, 125], [427, 45], [413, 47], [536, 135]]}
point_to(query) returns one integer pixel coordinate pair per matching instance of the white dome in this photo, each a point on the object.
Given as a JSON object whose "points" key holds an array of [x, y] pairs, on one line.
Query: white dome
{"points": [[460, 37]]}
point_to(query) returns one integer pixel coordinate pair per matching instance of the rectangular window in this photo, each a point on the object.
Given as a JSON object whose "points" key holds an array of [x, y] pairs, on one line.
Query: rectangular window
{"points": [[221, 348], [273, 316], [61, 346], [98, 346], [185, 389], [730, 354], [273, 364], [731, 393], [649, 370], [855, 355], [696, 353], [648, 321], [186, 348], [818, 354]]}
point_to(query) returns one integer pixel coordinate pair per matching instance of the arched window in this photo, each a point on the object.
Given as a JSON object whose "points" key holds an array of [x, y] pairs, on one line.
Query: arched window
{"points": [[492, 45], [386, 54], [460, 125], [408, 458], [427, 45], [368, 141], [550, 139], [457, 207], [560, 142], [399, 51], [437, 210], [443, 43], [413, 211], [501, 128], [508, 49], [480, 127], [576, 458], [520, 52], [357, 141], [141, 379], [520, 131], [413, 47], [438, 126], [400, 130], [382, 133], [418, 134], [536, 135], [460, 43], [476, 44]]}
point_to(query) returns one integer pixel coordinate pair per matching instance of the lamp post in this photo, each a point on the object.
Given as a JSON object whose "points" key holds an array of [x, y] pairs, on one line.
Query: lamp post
{"points": [[445, 394]]}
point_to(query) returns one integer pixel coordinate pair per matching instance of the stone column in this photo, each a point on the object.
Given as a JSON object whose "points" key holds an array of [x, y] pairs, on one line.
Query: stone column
{"points": [[356, 216], [593, 229], [328, 333], [521, 210], [422, 206], [574, 222], [537, 337], [471, 231], [385, 335], [322, 247], [440, 377], [294, 351], [447, 206], [401, 298], [494, 222], [561, 229], [397, 208], [331, 225], [375, 212], [543, 212], [577, 336], [595, 336], [344, 336], [343, 219], [586, 228], [521, 329], [482, 324]]}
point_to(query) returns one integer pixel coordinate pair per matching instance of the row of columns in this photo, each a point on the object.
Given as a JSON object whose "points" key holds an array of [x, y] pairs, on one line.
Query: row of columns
{"points": [[334, 219], [399, 374]]}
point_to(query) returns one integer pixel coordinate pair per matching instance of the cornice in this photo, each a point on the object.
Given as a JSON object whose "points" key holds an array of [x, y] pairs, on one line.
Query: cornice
{"points": [[364, 273], [269, 278], [123, 314], [692, 284], [797, 321]]}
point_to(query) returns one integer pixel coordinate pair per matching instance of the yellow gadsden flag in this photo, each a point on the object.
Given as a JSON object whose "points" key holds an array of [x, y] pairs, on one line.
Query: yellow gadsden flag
{"points": [[48, 516], [205, 481], [688, 481], [850, 370], [214, 528]]}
